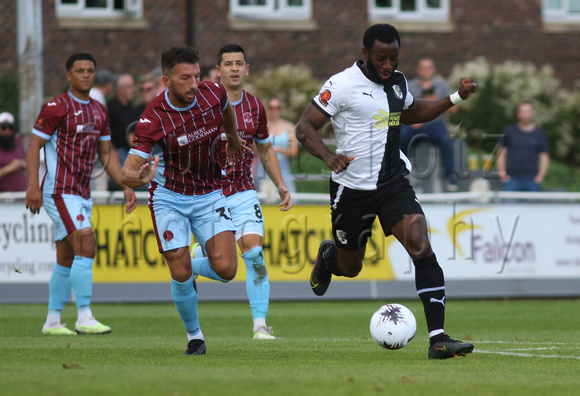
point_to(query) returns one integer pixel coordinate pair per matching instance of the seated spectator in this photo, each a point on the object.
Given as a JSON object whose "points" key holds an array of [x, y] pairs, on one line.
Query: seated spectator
{"points": [[12, 156]]}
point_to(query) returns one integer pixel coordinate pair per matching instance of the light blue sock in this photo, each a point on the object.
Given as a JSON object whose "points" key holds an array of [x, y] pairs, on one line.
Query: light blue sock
{"points": [[81, 277], [200, 266], [257, 285], [185, 300], [59, 288]]}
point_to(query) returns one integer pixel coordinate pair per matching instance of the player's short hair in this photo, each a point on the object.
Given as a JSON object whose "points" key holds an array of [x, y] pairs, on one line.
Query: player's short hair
{"points": [[177, 54], [228, 49], [383, 32], [78, 57]]}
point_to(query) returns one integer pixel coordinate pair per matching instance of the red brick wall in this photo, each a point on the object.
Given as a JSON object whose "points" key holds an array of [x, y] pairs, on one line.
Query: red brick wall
{"points": [[121, 51], [497, 29]]}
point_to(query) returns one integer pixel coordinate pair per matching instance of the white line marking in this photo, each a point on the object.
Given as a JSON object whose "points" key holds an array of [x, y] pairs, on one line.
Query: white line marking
{"points": [[527, 354], [524, 342]]}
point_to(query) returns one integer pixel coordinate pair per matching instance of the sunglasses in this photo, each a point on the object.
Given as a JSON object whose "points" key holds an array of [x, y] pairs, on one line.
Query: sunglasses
{"points": [[6, 126], [147, 89], [275, 107]]}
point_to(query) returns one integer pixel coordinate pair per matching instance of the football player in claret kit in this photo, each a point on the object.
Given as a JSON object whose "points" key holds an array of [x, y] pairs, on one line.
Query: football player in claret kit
{"points": [[366, 104], [73, 128], [180, 129], [239, 188]]}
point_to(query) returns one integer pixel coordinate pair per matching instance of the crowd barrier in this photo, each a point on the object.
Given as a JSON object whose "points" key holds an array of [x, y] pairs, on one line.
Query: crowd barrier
{"points": [[490, 245]]}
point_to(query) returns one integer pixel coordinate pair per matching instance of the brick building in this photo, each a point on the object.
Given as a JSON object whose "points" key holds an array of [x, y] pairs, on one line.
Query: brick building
{"points": [[128, 36]]}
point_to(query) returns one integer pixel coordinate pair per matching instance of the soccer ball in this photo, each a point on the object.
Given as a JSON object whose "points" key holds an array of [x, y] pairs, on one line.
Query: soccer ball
{"points": [[393, 326]]}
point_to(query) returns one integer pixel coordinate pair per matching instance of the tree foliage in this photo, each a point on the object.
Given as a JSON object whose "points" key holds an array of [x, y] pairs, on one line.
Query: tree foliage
{"points": [[499, 89]]}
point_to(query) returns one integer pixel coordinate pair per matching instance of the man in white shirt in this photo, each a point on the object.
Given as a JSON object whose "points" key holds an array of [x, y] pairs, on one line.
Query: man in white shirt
{"points": [[366, 104]]}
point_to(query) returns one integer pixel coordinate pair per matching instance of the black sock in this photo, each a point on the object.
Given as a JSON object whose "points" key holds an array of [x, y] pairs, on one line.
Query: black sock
{"points": [[430, 285], [330, 256]]}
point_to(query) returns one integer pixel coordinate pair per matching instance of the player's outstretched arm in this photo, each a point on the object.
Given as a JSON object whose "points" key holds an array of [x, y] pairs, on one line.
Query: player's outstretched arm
{"points": [[112, 166], [34, 198], [424, 110], [271, 165], [307, 133]]}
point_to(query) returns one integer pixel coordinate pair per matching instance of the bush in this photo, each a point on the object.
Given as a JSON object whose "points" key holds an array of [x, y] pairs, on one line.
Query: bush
{"points": [[500, 87], [293, 84]]}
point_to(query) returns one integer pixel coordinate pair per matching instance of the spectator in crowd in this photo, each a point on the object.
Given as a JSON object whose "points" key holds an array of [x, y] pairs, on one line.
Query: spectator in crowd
{"points": [[104, 86], [210, 74], [121, 114], [147, 92], [12, 156], [526, 147], [284, 142], [427, 85], [157, 74]]}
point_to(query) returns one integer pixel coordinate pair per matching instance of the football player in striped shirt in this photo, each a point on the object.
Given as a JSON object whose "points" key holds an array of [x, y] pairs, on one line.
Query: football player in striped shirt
{"points": [[175, 149], [239, 187], [73, 129]]}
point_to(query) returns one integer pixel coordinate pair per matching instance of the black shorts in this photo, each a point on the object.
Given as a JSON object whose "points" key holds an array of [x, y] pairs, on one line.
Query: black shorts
{"points": [[354, 211]]}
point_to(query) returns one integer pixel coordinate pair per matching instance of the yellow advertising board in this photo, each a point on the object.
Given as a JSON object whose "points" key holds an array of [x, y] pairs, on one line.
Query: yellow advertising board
{"points": [[127, 249]]}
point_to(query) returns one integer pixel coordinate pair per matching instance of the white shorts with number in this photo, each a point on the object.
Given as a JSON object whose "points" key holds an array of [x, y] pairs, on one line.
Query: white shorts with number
{"points": [[176, 216]]}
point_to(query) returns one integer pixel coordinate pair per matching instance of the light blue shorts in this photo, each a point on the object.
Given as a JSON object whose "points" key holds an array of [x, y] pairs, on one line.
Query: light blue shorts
{"points": [[68, 213], [176, 216], [247, 213]]}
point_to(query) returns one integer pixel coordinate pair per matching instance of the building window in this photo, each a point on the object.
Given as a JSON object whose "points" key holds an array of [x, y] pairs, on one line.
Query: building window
{"points": [[409, 10], [99, 8], [561, 10], [271, 9]]}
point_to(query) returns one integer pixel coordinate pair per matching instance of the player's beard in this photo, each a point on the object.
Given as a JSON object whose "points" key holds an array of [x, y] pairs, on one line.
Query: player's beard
{"points": [[7, 142], [181, 97], [373, 74]]}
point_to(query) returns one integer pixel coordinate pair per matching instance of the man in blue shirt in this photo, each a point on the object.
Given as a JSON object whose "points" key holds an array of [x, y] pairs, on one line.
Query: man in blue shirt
{"points": [[526, 147]]}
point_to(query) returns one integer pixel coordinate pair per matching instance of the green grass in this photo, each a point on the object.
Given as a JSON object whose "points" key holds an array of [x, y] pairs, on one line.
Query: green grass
{"points": [[523, 347]]}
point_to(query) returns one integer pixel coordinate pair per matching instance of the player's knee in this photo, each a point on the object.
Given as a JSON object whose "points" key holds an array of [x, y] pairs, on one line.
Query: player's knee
{"points": [[255, 264], [420, 249], [350, 268], [226, 269], [181, 274]]}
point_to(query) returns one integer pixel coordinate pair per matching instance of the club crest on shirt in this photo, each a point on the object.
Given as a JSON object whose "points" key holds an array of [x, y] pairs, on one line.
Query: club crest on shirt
{"points": [[247, 117], [398, 92], [325, 97], [39, 124]]}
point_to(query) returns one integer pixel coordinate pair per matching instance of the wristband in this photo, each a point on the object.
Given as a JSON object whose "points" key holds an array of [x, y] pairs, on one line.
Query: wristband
{"points": [[455, 98]]}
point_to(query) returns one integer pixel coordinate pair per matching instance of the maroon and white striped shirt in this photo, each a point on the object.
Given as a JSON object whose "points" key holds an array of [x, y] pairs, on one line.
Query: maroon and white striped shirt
{"points": [[251, 123], [73, 128], [185, 139]]}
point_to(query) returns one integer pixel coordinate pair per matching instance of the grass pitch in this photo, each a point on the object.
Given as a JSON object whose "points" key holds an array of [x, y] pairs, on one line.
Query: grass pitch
{"points": [[523, 347]]}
